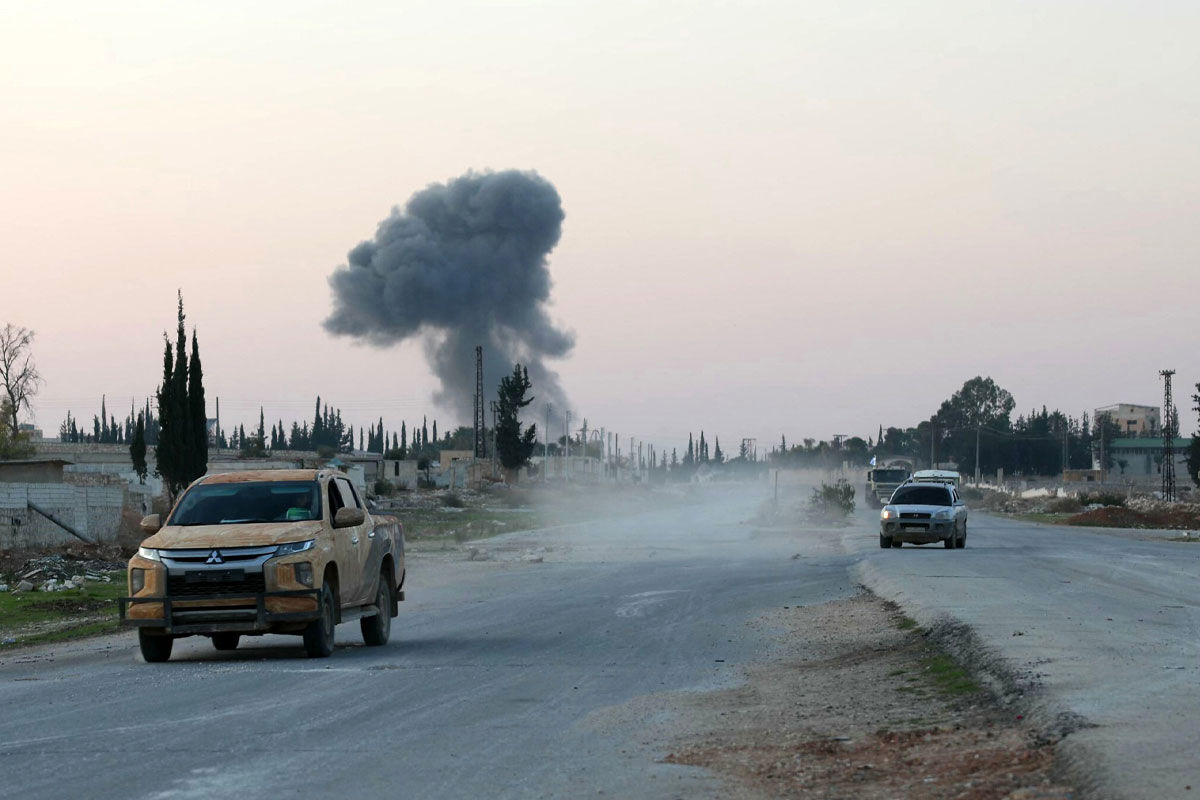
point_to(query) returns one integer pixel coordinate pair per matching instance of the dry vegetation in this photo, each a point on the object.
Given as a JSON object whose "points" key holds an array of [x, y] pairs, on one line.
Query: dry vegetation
{"points": [[863, 705]]}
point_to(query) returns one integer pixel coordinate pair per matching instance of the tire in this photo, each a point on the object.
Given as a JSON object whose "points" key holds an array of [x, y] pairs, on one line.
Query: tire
{"points": [[952, 542], [885, 541], [897, 543], [226, 641], [376, 629], [155, 649], [962, 540], [318, 636]]}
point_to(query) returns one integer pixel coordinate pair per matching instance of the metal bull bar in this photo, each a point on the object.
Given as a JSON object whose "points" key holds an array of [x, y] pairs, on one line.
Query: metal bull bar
{"points": [[227, 618]]}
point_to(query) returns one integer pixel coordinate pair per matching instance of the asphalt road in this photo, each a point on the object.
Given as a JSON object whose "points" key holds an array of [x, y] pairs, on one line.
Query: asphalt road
{"points": [[514, 679], [500, 681], [1105, 625]]}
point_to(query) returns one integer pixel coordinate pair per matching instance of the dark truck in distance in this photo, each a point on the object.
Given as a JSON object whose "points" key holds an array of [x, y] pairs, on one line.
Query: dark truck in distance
{"points": [[884, 479], [266, 551]]}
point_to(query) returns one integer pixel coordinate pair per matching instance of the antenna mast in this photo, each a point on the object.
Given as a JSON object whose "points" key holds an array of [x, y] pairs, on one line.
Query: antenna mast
{"points": [[1168, 429]]}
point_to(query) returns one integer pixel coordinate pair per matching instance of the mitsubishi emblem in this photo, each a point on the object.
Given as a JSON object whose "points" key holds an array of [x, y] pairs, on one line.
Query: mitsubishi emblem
{"points": [[215, 558]]}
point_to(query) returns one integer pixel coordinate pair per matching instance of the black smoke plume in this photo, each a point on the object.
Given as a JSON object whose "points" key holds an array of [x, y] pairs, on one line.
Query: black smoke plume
{"points": [[462, 264]]}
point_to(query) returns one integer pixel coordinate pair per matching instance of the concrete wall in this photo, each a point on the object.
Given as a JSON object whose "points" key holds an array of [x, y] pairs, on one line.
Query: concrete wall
{"points": [[400, 473], [31, 472], [94, 511]]}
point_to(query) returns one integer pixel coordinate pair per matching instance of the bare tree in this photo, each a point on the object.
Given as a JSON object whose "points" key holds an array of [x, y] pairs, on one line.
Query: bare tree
{"points": [[18, 373]]}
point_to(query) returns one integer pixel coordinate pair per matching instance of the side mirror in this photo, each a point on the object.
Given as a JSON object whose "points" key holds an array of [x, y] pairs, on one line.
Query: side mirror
{"points": [[151, 524], [348, 517]]}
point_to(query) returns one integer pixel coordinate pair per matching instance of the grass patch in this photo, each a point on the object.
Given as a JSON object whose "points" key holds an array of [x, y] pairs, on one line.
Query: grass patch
{"points": [[31, 617], [906, 623], [948, 677], [894, 673], [469, 523], [72, 632]]}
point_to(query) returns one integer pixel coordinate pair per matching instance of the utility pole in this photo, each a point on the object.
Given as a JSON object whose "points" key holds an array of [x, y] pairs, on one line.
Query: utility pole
{"points": [[1168, 454], [480, 445], [546, 447], [978, 427], [1066, 459], [495, 413], [567, 446], [932, 442]]}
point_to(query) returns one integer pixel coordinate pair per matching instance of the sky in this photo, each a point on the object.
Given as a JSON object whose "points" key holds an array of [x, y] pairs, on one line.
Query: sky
{"points": [[796, 218]]}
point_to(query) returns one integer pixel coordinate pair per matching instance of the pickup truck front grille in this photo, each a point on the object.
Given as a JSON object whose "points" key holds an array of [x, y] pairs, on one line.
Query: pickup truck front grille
{"points": [[913, 515], [178, 586]]}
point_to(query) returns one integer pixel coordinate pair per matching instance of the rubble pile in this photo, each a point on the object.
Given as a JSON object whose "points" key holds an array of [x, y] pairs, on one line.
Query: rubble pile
{"points": [[58, 573]]}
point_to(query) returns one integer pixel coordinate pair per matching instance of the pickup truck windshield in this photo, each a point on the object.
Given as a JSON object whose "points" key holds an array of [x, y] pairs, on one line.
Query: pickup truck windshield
{"points": [[921, 496], [267, 501]]}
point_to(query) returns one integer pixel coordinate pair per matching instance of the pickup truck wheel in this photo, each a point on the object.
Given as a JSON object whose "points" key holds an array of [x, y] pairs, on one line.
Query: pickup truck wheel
{"points": [[226, 641], [155, 649], [885, 541], [377, 629], [962, 540], [897, 543], [951, 542], [318, 636]]}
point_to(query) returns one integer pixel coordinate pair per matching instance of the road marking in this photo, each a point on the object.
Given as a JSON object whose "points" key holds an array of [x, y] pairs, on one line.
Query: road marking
{"points": [[642, 600]]}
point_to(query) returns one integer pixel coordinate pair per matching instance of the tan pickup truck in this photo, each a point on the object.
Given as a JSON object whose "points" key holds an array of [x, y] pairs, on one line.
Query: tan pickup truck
{"points": [[268, 551]]}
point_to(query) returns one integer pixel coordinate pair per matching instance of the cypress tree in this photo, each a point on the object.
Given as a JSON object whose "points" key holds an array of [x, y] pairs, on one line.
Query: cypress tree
{"points": [[165, 454], [137, 448], [198, 447]]}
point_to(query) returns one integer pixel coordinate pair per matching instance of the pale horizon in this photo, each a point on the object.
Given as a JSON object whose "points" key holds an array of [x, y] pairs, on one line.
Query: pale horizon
{"points": [[760, 201]]}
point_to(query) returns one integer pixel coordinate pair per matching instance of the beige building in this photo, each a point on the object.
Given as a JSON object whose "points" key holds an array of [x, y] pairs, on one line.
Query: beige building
{"points": [[1133, 420]]}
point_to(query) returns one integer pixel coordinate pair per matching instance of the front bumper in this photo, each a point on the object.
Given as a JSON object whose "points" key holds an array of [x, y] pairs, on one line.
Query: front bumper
{"points": [[221, 613], [917, 531]]}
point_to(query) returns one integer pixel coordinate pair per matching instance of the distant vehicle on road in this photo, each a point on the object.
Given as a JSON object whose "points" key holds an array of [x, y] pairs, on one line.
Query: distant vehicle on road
{"points": [[922, 513], [265, 551], [937, 476], [884, 479]]}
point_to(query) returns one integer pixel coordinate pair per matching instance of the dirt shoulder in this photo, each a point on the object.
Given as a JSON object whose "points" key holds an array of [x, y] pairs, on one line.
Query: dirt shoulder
{"points": [[861, 704]]}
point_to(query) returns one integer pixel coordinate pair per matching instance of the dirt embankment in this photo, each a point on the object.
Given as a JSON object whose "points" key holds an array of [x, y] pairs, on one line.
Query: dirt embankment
{"points": [[1161, 516], [862, 705]]}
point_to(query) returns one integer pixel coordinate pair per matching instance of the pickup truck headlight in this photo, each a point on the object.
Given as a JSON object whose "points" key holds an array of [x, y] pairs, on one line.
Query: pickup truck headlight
{"points": [[942, 514], [887, 513], [294, 547], [149, 553], [137, 580]]}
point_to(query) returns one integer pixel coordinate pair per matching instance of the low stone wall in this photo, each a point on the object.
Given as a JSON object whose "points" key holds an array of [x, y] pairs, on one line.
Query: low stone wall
{"points": [[94, 511]]}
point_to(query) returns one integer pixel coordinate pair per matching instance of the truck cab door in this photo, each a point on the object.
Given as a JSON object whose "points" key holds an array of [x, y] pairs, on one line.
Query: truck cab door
{"points": [[346, 546], [370, 545]]}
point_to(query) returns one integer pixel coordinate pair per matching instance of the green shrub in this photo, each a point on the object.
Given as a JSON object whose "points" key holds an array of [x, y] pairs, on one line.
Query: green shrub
{"points": [[384, 488], [1064, 505], [452, 500], [836, 499], [1102, 499]]}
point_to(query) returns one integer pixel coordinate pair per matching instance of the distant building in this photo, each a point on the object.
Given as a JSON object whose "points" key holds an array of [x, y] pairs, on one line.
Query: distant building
{"points": [[1140, 460], [1133, 420], [448, 457], [32, 433]]}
